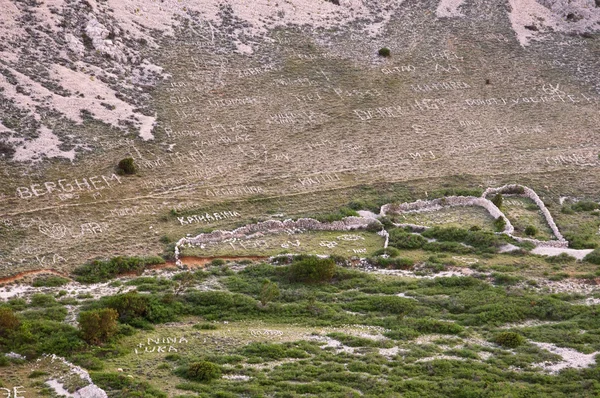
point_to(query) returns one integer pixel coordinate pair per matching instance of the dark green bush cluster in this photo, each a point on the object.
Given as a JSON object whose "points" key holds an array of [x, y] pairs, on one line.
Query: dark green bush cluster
{"points": [[336, 215], [49, 281], [580, 241], [104, 270], [562, 258], [120, 386], [140, 309], [593, 257], [126, 167], [499, 224], [97, 326], [271, 351], [384, 52], [392, 262], [401, 239], [382, 304], [497, 200], [509, 339], [203, 371], [485, 241], [311, 269], [585, 205], [531, 230]]}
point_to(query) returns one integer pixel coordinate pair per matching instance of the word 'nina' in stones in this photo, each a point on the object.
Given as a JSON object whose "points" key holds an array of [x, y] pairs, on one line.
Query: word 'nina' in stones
{"points": [[206, 218], [94, 183], [155, 345]]}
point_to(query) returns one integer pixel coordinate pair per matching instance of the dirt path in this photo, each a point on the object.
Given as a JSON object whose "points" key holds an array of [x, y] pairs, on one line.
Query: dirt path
{"points": [[24, 274], [202, 261]]}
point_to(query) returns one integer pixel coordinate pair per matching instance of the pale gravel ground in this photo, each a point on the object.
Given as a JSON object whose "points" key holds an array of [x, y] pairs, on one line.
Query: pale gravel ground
{"points": [[449, 9], [552, 251], [571, 358]]}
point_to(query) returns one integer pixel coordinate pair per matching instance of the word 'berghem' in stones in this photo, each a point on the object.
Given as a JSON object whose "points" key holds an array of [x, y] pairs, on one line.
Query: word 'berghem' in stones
{"points": [[164, 344], [85, 184], [207, 218]]}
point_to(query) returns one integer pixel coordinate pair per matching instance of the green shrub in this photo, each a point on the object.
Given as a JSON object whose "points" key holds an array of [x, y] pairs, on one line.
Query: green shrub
{"points": [[268, 292], [8, 321], [384, 52], [566, 209], [390, 251], [36, 373], [98, 326], [137, 309], [49, 281], [401, 239], [126, 166], [205, 326], [497, 200], [392, 263], [562, 258], [585, 205], [577, 241], [203, 371], [504, 279], [531, 230], [336, 215], [479, 239], [382, 304], [104, 270], [593, 257], [509, 339], [499, 224], [311, 269], [122, 386]]}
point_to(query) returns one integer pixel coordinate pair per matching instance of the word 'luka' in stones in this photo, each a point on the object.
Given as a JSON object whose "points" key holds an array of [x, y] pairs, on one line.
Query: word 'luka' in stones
{"points": [[160, 345]]}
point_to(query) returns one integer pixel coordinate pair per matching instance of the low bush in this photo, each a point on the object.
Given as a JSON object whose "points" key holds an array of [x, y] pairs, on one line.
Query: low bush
{"points": [[531, 230], [49, 281], [562, 258], [585, 205], [509, 339], [392, 263], [138, 310], [498, 200], [311, 269], [121, 386], [401, 239], [384, 52], [382, 304], [8, 321], [203, 371], [478, 239], [126, 167], [269, 351], [336, 215], [593, 257], [580, 241], [97, 326], [104, 270], [499, 224]]}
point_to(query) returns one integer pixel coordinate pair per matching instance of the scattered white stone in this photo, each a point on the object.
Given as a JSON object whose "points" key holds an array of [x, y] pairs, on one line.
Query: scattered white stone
{"points": [[571, 358], [449, 9], [555, 251], [237, 377]]}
